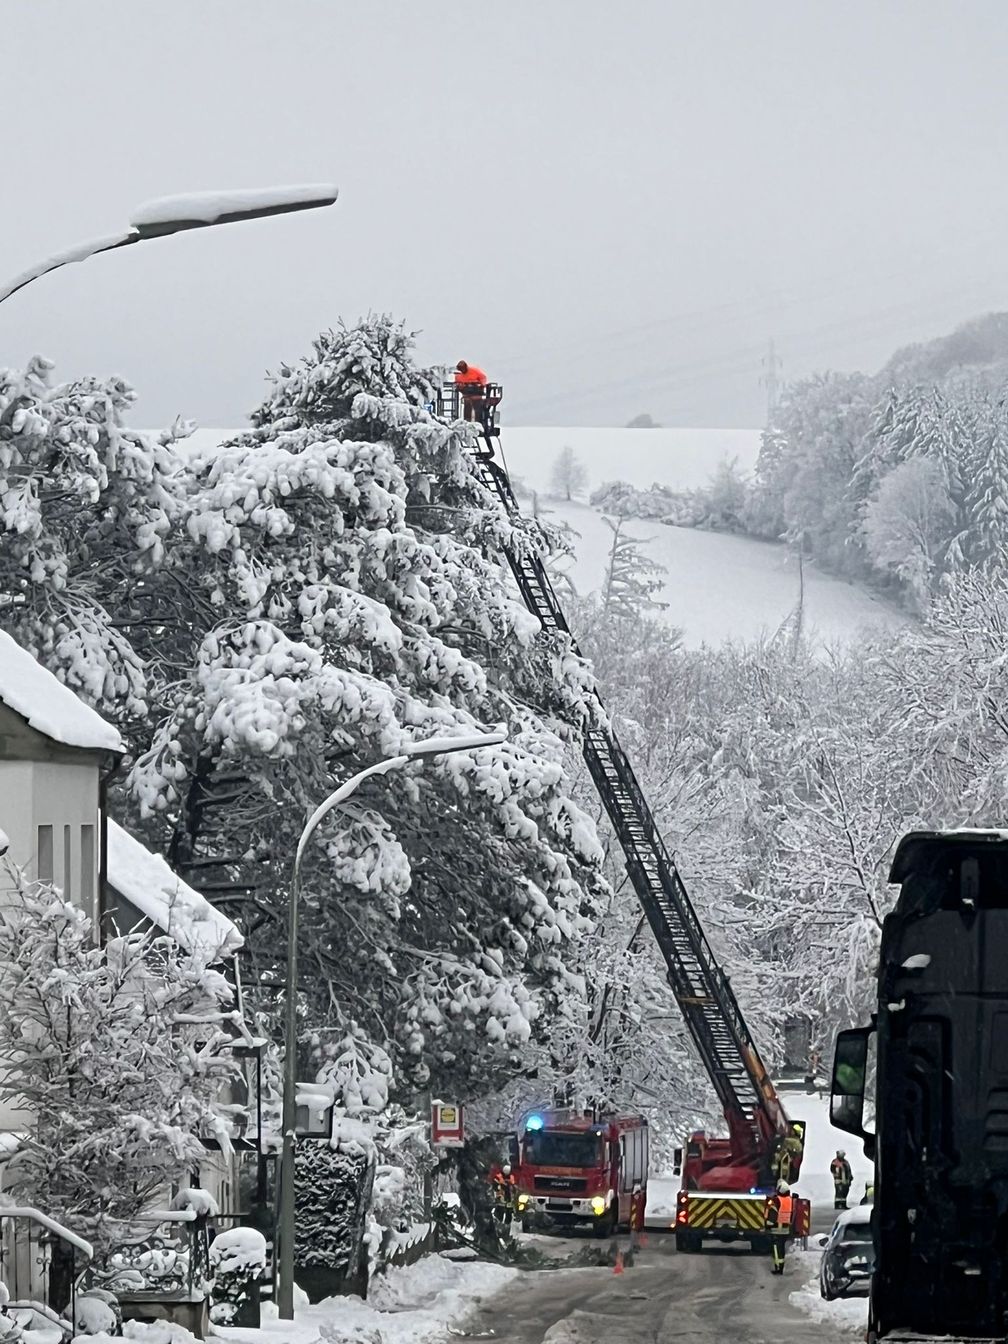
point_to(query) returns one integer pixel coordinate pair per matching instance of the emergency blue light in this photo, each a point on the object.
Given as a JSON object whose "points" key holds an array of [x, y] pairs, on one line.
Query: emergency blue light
{"points": [[534, 1122]]}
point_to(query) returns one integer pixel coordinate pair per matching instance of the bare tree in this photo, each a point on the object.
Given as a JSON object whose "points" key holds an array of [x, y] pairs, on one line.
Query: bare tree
{"points": [[569, 476]]}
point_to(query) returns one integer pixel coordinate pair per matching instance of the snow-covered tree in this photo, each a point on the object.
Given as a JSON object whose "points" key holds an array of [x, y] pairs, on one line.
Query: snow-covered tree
{"points": [[631, 577], [909, 522], [990, 492], [569, 477], [726, 494], [353, 557], [86, 511], [116, 1056]]}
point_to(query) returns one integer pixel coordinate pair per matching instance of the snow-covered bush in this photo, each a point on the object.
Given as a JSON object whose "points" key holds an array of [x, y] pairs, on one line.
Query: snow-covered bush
{"points": [[662, 504], [237, 1261], [97, 1312], [97, 1052]]}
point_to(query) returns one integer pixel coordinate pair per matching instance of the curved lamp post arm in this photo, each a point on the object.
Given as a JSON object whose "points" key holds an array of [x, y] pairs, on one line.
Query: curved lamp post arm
{"points": [[79, 253], [340, 795], [432, 746], [177, 214]]}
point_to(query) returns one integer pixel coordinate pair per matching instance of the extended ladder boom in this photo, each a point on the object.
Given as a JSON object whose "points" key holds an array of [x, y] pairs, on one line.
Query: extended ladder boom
{"points": [[701, 989]]}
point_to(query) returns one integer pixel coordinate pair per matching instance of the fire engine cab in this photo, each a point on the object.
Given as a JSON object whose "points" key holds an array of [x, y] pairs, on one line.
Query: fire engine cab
{"points": [[582, 1167]]}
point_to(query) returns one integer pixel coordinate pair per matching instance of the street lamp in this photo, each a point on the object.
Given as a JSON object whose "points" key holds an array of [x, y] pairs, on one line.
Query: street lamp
{"points": [[176, 214], [433, 746]]}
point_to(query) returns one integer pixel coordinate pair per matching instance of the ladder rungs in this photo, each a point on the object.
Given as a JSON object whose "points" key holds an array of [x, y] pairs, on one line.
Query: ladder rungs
{"points": [[718, 1029]]}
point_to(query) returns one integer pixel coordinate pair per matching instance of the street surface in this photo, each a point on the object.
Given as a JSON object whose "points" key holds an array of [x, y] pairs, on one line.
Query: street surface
{"points": [[722, 1296]]}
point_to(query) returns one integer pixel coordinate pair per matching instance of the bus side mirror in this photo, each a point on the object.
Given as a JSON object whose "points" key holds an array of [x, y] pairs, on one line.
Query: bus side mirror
{"points": [[677, 1162], [847, 1092]]}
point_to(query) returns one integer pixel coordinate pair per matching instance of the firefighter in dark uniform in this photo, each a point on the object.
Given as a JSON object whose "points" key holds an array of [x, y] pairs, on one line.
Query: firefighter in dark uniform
{"points": [[787, 1155], [840, 1170]]}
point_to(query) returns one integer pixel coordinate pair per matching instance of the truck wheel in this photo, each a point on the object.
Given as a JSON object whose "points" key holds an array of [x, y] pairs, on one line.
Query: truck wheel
{"points": [[687, 1242]]}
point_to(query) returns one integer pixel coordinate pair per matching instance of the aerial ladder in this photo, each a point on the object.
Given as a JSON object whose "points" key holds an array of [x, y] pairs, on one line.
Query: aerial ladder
{"points": [[756, 1119]]}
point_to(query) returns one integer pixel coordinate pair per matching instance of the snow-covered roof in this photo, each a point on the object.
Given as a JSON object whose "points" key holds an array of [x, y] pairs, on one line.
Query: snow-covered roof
{"points": [[146, 881], [50, 708]]}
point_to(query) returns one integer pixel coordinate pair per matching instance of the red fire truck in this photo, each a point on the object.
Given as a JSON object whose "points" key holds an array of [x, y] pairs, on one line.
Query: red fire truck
{"points": [[582, 1167], [724, 1199], [757, 1123]]}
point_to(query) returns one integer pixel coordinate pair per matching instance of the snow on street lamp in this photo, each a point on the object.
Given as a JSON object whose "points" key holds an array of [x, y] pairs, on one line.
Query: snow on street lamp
{"points": [[177, 214], [433, 746]]}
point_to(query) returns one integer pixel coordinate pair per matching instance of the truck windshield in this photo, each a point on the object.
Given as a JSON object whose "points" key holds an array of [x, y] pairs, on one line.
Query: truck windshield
{"points": [[563, 1150]]}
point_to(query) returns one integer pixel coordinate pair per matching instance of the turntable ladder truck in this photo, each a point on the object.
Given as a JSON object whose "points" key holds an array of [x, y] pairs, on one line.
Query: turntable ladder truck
{"points": [[725, 1180]]}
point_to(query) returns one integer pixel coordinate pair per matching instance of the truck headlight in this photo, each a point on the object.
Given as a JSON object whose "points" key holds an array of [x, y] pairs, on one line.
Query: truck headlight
{"points": [[598, 1205]]}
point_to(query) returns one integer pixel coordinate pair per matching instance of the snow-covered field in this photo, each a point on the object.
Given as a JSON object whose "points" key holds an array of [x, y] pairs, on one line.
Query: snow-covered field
{"points": [[721, 587], [681, 458]]}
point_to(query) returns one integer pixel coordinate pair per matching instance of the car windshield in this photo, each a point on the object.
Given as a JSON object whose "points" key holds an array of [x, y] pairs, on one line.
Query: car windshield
{"points": [[858, 1235], [563, 1150]]}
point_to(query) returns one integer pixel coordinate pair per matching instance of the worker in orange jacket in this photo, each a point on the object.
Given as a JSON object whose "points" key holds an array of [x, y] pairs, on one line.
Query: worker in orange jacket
{"points": [[471, 382], [780, 1219]]}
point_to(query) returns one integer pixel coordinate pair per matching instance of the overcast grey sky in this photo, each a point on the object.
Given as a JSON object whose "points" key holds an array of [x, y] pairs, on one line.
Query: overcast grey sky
{"points": [[610, 206]]}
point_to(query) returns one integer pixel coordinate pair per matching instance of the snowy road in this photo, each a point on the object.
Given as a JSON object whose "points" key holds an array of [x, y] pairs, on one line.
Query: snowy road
{"points": [[719, 1297]]}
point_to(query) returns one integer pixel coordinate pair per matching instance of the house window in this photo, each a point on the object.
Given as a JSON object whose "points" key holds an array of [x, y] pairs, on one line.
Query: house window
{"points": [[87, 860], [45, 853], [67, 862]]}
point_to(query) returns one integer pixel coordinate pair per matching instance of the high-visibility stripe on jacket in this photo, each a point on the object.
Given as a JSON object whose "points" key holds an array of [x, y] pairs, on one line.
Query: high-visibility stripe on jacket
{"points": [[783, 1207]]}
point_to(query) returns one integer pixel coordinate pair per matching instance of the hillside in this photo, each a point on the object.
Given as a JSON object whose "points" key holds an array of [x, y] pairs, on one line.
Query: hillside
{"points": [[978, 349], [719, 587], [722, 587]]}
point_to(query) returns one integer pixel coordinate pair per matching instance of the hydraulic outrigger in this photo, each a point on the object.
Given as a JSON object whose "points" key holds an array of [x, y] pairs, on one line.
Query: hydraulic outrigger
{"points": [[756, 1119]]}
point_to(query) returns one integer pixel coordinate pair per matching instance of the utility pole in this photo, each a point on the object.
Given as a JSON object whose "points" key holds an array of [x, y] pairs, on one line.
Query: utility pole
{"points": [[771, 368]]}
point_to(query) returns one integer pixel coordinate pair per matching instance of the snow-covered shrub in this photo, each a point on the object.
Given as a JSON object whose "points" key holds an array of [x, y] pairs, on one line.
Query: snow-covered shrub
{"points": [[237, 1262], [97, 1312], [331, 1219], [93, 1048]]}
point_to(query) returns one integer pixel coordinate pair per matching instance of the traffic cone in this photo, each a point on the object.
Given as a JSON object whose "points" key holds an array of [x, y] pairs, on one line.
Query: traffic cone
{"points": [[618, 1266]]}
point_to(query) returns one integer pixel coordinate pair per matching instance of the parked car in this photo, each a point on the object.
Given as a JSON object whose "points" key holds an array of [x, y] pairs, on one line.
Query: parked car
{"points": [[848, 1255]]}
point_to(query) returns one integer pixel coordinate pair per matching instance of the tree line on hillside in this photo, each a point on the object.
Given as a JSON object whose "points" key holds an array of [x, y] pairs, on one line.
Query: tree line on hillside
{"points": [[900, 489], [897, 479]]}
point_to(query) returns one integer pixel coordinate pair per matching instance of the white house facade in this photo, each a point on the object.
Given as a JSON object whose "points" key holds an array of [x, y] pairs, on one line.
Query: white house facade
{"points": [[55, 754], [56, 758]]}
